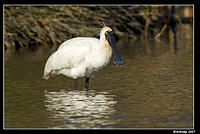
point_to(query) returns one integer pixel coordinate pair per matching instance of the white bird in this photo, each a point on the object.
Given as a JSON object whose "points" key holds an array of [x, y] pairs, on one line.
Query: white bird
{"points": [[83, 57]]}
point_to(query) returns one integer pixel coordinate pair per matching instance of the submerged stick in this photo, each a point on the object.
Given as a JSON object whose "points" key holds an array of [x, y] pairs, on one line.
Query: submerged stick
{"points": [[161, 32]]}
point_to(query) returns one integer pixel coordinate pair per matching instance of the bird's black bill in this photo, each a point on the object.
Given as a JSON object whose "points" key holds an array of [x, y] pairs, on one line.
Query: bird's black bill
{"points": [[117, 59]]}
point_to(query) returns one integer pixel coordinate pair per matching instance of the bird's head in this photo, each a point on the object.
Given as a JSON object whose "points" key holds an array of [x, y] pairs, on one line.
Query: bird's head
{"points": [[107, 34]]}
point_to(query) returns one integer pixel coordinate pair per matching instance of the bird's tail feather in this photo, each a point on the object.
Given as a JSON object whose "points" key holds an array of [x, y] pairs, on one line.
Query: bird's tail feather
{"points": [[47, 75]]}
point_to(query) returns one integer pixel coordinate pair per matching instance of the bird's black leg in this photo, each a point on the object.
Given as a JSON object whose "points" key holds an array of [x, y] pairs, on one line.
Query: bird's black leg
{"points": [[75, 84], [86, 83]]}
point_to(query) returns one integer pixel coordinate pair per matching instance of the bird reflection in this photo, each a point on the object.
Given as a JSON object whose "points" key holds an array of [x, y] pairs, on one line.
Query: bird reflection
{"points": [[80, 109]]}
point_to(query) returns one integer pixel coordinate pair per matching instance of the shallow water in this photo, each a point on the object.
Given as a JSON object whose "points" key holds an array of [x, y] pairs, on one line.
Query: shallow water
{"points": [[153, 89]]}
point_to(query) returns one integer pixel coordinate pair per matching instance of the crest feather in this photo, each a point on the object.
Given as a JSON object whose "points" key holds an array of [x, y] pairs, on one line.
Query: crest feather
{"points": [[103, 24]]}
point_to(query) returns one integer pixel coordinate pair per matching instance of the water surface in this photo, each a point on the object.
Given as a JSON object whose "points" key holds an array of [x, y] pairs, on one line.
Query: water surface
{"points": [[153, 89]]}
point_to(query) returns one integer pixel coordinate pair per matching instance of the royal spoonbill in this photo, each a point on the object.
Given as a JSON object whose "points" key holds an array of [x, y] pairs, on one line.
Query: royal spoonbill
{"points": [[83, 57]]}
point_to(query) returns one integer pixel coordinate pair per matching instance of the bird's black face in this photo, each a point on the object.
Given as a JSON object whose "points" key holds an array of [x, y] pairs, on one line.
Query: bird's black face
{"points": [[117, 59]]}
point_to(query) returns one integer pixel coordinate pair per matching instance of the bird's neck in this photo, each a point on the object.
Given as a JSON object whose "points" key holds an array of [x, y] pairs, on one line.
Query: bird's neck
{"points": [[105, 52], [106, 47], [104, 43]]}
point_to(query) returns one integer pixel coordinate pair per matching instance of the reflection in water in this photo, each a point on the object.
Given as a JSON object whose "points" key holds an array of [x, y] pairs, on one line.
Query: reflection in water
{"points": [[82, 109], [154, 89]]}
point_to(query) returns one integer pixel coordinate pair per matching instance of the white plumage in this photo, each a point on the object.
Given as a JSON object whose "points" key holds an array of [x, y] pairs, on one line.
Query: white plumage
{"points": [[81, 57]]}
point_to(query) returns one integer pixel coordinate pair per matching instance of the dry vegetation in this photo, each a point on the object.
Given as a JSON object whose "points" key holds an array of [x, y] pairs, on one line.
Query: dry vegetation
{"points": [[26, 26]]}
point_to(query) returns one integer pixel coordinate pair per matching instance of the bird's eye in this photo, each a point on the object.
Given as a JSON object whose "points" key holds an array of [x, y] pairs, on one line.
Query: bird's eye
{"points": [[106, 32]]}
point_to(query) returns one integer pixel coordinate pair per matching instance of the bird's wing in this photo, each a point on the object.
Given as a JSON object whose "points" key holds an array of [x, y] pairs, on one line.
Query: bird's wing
{"points": [[70, 54]]}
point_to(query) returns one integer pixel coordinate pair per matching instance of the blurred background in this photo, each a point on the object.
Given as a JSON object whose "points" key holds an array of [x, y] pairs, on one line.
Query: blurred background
{"points": [[30, 26]]}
